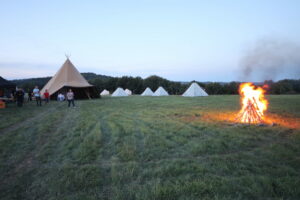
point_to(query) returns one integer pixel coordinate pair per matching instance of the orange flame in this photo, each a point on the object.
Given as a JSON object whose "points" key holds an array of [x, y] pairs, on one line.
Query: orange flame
{"points": [[253, 103]]}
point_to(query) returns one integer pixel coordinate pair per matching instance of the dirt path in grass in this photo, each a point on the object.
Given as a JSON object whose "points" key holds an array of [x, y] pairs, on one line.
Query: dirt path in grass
{"points": [[28, 121], [29, 160], [30, 157]]}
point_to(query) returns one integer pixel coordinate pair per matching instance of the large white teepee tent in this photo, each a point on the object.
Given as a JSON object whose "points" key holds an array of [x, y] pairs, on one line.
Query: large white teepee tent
{"points": [[194, 91], [69, 77], [147, 92], [104, 92], [160, 92], [119, 92], [128, 92]]}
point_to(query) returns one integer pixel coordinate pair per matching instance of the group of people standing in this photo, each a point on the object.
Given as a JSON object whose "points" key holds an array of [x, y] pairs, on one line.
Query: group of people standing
{"points": [[37, 95], [19, 95]]}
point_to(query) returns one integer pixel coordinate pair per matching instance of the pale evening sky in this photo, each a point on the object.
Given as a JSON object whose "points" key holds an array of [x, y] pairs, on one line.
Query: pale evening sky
{"points": [[178, 40]]}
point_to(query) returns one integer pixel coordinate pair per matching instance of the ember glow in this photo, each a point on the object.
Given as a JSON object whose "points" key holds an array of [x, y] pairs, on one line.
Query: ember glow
{"points": [[253, 104]]}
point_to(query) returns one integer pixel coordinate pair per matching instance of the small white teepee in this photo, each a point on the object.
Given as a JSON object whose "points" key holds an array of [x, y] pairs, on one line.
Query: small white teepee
{"points": [[129, 92], [147, 92], [119, 92], [194, 91], [161, 92], [104, 92]]}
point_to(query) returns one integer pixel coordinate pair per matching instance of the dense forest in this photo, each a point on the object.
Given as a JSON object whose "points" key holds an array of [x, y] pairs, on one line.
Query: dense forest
{"points": [[137, 84]]}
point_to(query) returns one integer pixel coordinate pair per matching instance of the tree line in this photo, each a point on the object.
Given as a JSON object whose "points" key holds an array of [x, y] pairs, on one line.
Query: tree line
{"points": [[137, 84]]}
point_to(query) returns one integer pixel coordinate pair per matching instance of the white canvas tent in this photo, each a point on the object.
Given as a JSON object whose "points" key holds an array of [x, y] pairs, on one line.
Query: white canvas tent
{"points": [[129, 92], [119, 92], [104, 92], [160, 92], [194, 91], [69, 77], [147, 92]]}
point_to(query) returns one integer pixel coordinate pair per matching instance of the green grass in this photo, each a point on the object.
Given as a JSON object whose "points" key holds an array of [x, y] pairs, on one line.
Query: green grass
{"points": [[147, 148]]}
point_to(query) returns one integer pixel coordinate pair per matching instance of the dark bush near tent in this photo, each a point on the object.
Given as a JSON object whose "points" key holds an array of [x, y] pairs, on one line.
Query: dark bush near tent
{"points": [[6, 87]]}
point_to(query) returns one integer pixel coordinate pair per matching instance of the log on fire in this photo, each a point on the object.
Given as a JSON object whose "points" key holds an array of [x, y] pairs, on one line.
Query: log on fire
{"points": [[250, 114]]}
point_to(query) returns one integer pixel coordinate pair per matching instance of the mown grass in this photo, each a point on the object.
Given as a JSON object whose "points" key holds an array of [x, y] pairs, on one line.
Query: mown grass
{"points": [[147, 148]]}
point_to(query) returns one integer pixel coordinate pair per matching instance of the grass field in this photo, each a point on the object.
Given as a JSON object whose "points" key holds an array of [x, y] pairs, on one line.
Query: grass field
{"points": [[149, 148]]}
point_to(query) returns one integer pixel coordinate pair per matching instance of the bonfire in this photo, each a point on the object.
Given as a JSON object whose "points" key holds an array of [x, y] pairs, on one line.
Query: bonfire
{"points": [[253, 103]]}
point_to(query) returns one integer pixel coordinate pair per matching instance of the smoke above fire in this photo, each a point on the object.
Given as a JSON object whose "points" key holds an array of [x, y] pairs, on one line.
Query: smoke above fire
{"points": [[271, 59]]}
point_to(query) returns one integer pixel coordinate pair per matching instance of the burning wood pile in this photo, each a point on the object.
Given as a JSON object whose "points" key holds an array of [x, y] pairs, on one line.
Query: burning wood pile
{"points": [[253, 103]]}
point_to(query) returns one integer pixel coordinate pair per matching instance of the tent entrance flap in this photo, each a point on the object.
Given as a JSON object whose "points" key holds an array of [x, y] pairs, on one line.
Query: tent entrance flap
{"points": [[87, 94], [79, 93]]}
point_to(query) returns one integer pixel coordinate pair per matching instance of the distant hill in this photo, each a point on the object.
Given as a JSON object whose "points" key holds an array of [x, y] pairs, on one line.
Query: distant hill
{"points": [[29, 83], [91, 76]]}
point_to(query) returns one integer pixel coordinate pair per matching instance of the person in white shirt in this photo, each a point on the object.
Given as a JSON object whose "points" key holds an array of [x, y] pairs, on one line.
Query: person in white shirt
{"points": [[37, 95], [60, 97], [70, 98]]}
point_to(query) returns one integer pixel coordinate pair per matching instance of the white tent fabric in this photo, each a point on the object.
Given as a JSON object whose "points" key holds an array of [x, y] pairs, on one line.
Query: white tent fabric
{"points": [[104, 92], [119, 92], [128, 92], [194, 91], [147, 92], [160, 92]]}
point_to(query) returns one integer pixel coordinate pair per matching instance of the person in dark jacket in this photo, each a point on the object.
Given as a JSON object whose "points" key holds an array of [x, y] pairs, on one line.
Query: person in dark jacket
{"points": [[29, 95], [20, 97]]}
